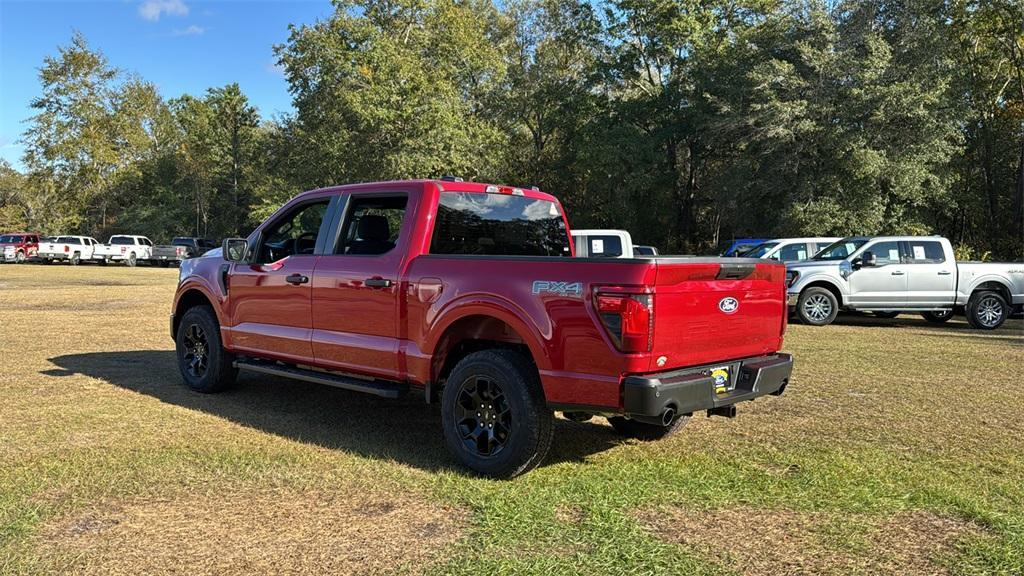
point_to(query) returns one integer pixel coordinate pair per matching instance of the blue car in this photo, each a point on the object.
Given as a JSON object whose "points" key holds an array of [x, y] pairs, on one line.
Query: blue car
{"points": [[739, 246]]}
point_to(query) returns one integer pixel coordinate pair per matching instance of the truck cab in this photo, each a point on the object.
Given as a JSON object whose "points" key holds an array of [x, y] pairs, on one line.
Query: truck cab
{"points": [[603, 243]]}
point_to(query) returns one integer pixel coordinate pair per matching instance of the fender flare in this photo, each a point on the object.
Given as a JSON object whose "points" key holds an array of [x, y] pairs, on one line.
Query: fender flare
{"points": [[195, 283], [498, 308]]}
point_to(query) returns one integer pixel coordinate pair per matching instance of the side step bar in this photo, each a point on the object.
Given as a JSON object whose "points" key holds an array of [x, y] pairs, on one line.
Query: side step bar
{"points": [[380, 388]]}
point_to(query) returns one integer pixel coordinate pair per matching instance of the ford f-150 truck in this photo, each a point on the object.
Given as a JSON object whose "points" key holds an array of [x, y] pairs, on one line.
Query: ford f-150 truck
{"points": [[892, 274], [18, 246], [469, 293]]}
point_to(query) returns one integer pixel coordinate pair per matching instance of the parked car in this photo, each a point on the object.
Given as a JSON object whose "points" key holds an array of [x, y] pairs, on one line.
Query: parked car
{"points": [[892, 274], [468, 293], [125, 248], [790, 249], [181, 248], [19, 246], [602, 243], [644, 250], [74, 249], [739, 246]]}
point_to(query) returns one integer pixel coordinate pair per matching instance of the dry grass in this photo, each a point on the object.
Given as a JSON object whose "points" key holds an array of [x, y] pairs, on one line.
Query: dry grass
{"points": [[278, 532], [897, 448], [758, 542]]}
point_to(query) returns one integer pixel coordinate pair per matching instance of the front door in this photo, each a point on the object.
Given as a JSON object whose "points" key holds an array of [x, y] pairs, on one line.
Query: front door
{"points": [[883, 285], [357, 289], [269, 295], [931, 277]]}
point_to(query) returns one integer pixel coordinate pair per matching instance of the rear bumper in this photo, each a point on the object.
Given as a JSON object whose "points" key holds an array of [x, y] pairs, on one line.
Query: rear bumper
{"points": [[693, 389]]}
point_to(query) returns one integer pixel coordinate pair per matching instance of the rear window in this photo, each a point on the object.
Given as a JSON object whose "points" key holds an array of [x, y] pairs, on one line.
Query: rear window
{"points": [[183, 242], [122, 240], [498, 225], [604, 246], [10, 239]]}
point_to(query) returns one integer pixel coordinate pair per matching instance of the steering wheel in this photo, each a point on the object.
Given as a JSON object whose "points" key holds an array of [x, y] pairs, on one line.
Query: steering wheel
{"points": [[297, 242]]}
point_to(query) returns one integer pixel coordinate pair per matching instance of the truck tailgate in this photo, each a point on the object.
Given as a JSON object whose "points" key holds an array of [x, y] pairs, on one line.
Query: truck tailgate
{"points": [[711, 310]]}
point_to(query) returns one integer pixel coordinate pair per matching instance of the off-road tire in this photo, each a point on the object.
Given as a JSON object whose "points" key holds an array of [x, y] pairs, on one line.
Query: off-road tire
{"points": [[981, 304], [938, 317], [646, 432], [219, 373], [530, 423], [816, 295]]}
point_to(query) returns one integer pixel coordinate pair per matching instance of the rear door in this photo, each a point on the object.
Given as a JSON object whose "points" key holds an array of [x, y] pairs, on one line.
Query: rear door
{"points": [[269, 294], [706, 310], [931, 275], [357, 288], [883, 285]]}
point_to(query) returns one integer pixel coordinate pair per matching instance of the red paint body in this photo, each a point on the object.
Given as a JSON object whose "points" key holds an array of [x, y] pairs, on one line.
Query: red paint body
{"points": [[26, 243], [405, 331]]}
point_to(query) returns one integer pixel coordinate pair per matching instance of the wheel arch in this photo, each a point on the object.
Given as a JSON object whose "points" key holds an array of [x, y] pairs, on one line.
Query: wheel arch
{"points": [[191, 297], [828, 285], [993, 286]]}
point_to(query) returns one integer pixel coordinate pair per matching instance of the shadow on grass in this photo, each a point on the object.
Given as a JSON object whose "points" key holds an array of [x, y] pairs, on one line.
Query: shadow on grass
{"points": [[405, 430], [955, 327]]}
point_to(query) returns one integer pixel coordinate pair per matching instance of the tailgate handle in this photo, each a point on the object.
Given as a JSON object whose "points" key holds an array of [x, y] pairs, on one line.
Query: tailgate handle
{"points": [[731, 271]]}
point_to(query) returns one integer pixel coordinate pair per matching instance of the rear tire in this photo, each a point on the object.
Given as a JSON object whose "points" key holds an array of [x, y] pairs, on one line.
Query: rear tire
{"points": [[496, 421], [987, 310], [938, 317], [131, 260], [817, 306], [646, 432], [74, 259], [204, 364]]}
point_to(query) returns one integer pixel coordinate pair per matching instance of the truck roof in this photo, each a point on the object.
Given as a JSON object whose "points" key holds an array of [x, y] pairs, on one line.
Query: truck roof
{"points": [[446, 186]]}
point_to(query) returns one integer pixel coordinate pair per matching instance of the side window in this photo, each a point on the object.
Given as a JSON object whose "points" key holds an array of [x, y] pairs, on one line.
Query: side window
{"points": [[925, 252], [293, 234], [372, 224], [793, 253], [885, 252]]}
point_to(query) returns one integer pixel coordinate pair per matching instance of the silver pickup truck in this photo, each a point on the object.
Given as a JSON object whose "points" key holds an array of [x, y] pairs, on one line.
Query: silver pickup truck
{"points": [[892, 274]]}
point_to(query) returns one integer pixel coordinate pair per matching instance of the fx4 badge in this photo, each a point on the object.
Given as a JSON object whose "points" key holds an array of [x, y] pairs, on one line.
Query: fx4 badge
{"points": [[728, 305], [559, 288]]}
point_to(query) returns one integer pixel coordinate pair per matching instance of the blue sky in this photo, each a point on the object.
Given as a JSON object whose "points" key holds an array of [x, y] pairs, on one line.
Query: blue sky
{"points": [[183, 46]]}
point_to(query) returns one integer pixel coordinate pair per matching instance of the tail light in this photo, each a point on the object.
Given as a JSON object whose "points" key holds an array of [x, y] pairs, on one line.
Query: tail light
{"points": [[628, 318], [67, 248], [180, 250], [123, 249]]}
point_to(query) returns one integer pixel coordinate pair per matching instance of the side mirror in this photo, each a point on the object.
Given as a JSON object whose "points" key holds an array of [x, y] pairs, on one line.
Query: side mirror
{"points": [[869, 259], [234, 249]]}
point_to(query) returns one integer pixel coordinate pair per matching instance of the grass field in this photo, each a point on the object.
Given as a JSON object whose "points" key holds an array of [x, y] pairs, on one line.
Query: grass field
{"points": [[898, 448]]}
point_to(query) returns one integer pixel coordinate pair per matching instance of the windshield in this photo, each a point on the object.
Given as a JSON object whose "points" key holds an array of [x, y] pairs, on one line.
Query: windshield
{"points": [[761, 249], [498, 224], [840, 250], [10, 239]]}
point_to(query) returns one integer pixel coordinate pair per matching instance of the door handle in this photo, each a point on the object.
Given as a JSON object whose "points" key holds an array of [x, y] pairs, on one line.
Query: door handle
{"points": [[296, 279], [944, 272], [377, 282], [897, 273]]}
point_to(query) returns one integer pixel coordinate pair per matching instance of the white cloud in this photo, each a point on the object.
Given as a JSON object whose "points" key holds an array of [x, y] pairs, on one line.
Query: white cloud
{"points": [[154, 9], [192, 30]]}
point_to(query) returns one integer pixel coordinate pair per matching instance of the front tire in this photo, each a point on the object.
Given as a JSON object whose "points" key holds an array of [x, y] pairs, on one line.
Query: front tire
{"points": [[495, 418], [204, 364], [987, 310], [938, 317], [817, 306], [19, 257], [646, 432]]}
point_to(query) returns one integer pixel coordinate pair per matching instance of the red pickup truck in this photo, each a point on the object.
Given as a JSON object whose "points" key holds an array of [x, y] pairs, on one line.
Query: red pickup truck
{"points": [[469, 293]]}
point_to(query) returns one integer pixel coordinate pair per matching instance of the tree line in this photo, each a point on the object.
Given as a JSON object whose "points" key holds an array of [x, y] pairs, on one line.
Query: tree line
{"points": [[686, 122]]}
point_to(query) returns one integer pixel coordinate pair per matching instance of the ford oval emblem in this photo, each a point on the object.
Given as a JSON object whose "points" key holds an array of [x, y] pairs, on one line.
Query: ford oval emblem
{"points": [[729, 305]]}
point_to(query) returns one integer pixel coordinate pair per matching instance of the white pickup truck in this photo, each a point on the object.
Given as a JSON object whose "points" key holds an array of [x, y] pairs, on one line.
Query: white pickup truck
{"points": [[602, 243], [125, 248], [892, 274], [74, 249]]}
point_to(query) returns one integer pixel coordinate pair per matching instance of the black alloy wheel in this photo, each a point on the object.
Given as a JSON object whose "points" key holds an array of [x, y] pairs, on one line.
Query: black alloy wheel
{"points": [[483, 416], [197, 351]]}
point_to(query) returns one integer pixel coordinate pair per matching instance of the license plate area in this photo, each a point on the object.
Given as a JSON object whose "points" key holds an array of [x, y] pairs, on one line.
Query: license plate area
{"points": [[723, 378]]}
